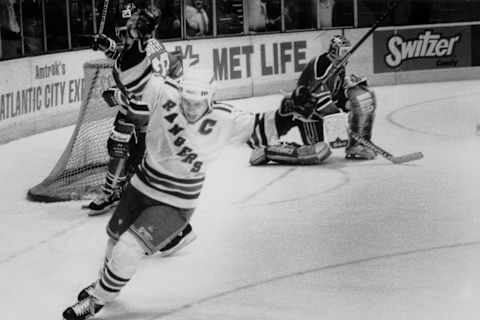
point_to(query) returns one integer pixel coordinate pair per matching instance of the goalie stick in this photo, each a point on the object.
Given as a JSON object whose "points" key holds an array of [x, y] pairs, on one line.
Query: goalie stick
{"points": [[350, 52], [394, 159]]}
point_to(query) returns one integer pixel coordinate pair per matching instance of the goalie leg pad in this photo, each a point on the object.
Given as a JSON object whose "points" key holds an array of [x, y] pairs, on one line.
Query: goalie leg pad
{"points": [[285, 153], [363, 105], [362, 114], [258, 156], [292, 153], [313, 154]]}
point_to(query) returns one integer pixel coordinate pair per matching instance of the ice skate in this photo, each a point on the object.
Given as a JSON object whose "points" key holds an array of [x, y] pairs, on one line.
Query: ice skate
{"points": [[83, 309], [359, 152], [102, 204], [184, 238], [86, 292]]}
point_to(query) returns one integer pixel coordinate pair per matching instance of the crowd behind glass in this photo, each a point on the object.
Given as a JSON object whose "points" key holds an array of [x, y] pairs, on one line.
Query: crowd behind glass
{"points": [[32, 27]]}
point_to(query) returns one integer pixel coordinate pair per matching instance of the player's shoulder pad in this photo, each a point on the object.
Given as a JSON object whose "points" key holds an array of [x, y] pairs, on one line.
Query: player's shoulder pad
{"points": [[154, 46], [223, 107], [322, 65]]}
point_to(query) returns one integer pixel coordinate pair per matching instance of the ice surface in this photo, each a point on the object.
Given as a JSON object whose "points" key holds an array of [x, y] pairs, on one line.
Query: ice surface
{"points": [[344, 240]]}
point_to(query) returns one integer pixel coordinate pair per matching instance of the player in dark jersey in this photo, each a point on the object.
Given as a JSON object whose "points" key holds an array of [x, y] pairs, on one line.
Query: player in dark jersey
{"points": [[323, 95], [137, 57]]}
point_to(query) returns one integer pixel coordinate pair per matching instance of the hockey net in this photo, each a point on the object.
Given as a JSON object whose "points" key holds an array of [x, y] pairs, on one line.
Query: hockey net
{"points": [[80, 171]]}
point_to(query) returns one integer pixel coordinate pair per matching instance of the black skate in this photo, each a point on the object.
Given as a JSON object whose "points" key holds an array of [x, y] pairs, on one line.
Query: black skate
{"points": [[184, 238], [83, 309], [86, 292], [102, 204]]}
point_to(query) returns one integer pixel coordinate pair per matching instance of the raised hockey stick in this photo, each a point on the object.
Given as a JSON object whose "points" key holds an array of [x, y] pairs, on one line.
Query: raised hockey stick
{"points": [[350, 52], [394, 159], [104, 17]]}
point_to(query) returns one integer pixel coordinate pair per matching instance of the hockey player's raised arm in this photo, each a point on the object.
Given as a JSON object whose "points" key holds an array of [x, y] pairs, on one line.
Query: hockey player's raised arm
{"points": [[255, 129]]}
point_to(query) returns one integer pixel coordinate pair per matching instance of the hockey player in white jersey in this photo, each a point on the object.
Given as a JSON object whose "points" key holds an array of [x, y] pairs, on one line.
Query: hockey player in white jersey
{"points": [[136, 58], [185, 133]]}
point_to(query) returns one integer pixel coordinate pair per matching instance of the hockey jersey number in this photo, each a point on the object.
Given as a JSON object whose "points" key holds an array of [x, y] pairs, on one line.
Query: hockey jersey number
{"points": [[158, 58]]}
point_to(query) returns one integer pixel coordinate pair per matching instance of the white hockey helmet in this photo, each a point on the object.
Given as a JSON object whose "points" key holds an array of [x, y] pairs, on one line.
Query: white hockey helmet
{"points": [[197, 91]]}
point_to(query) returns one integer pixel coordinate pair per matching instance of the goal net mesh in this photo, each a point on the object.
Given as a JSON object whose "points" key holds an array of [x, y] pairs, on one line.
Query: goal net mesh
{"points": [[80, 171]]}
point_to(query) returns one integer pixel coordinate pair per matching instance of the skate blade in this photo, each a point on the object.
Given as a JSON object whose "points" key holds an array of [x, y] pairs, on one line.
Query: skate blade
{"points": [[182, 244], [358, 158], [93, 213]]}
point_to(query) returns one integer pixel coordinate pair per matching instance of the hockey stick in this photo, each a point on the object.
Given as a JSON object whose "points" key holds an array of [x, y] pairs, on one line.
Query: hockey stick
{"points": [[100, 30], [104, 17], [350, 52], [394, 159]]}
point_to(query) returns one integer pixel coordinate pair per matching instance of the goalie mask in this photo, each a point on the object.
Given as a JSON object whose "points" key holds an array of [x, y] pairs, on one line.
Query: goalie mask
{"points": [[197, 90], [339, 47]]}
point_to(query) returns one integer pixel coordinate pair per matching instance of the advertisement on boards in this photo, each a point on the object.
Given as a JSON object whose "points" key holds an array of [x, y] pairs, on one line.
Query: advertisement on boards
{"points": [[39, 90], [242, 64], [421, 49], [49, 84]]}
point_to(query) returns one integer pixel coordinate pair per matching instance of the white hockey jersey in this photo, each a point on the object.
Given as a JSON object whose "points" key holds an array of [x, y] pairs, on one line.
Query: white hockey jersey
{"points": [[178, 152]]}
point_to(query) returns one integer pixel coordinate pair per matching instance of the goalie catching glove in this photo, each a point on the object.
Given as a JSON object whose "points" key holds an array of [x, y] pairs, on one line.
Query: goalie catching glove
{"points": [[291, 153]]}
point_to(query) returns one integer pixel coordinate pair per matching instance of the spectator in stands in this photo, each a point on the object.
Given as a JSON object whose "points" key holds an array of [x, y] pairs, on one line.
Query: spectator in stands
{"points": [[9, 30], [325, 17], [342, 15], [32, 27], [274, 10], [197, 19], [229, 16], [300, 14], [257, 15], [170, 22]]}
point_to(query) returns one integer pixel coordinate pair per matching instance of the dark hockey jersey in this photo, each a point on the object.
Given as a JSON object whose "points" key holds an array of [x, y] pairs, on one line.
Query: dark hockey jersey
{"points": [[134, 66], [315, 75], [316, 71]]}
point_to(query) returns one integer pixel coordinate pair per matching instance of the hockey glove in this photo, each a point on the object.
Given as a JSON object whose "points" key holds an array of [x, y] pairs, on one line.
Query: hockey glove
{"points": [[103, 43], [300, 104], [114, 97], [304, 101]]}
